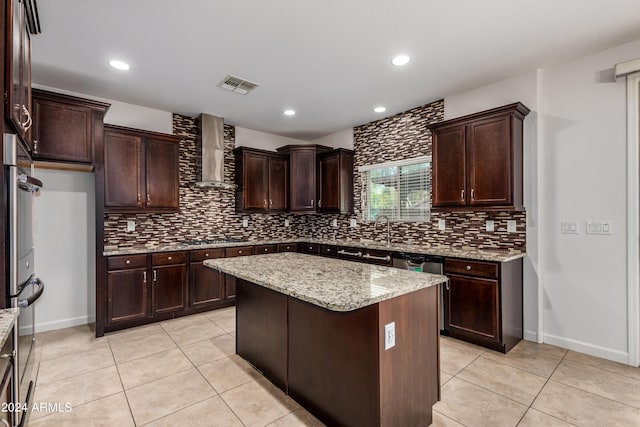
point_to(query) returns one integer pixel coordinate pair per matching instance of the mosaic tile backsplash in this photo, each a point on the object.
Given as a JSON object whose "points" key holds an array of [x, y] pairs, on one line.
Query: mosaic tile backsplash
{"points": [[210, 213]]}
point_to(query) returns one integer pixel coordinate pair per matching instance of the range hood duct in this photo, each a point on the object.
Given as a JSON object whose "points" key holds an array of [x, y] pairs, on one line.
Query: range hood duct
{"points": [[211, 139]]}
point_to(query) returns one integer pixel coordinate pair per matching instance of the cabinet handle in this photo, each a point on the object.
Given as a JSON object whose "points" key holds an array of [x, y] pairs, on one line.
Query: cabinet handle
{"points": [[473, 194], [462, 195], [8, 355], [287, 247], [27, 124], [138, 199], [270, 202], [206, 255], [447, 285], [239, 252], [320, 203], [468, 267], [148, 198], [155, 275], [35, 145], [144, 277], [169, 258], [356, 254], [381, 258], [266, 249], [311, 202], [128, 262]]}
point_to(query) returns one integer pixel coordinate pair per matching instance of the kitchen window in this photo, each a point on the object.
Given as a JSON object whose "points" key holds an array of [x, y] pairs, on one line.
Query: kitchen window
{"points": [[401, 190]]}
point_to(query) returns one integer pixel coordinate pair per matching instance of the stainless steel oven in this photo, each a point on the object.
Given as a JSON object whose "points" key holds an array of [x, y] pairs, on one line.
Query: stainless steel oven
{"points": [[23, 286]]}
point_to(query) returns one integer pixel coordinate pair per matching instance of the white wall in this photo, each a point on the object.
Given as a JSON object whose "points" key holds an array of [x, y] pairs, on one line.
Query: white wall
{"points": [[65, 249], [65, 233], [265, 141], [575, 169], [340, 139]]}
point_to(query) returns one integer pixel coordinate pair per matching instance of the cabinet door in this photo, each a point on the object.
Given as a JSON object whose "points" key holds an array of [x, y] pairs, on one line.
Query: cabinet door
{"points": [[489, 157], [123, 180], [169, 286], [278, 184], [229, 287], [18, 69], [162, 175], [329, 183], [61, 131], [449, 176], [471, 307], [127, 295], [25, 79], [303, 180], [205, 285], [255, 181]]}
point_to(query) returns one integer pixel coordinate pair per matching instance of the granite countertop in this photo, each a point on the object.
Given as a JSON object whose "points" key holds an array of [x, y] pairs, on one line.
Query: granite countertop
{"points": [[334, 284], [497, 255], [8, 317]]}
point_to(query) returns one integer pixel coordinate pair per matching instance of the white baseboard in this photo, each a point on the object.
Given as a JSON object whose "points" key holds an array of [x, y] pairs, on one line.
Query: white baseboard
{"points": [[530, 336], [586, 348], [63, 323]]}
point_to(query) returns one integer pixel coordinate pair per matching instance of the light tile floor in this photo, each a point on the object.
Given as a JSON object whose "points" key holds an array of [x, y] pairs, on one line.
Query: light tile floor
{"points": [[184, 372]]}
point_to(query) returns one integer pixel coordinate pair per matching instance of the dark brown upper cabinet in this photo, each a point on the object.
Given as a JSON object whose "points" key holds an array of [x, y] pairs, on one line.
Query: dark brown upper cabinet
{"points": [[477, 160], [64, 127], [262, 180], [140, 171], [303, 187], [18, 70], [335, 181]]}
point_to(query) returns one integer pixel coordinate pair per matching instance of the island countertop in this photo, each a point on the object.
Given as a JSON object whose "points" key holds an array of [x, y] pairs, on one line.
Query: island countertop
{"points": [[334, 284]]}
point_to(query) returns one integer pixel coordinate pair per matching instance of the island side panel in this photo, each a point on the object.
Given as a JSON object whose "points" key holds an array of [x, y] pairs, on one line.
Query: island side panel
{"points": [[511, 303], [333, 363], [261, 330], [409, 371]]}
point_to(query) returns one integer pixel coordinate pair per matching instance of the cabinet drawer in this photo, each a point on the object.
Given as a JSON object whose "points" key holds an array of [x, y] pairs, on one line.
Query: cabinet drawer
{"points": [[266, 249], [202, 254], [328, 250], [354, 254], [311, 248], [239, 251], [169, 258], [288, 247], [122, 262], [373, 256], [471, 268]]}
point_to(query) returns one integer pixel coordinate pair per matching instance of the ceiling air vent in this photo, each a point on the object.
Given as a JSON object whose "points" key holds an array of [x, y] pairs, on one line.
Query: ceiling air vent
{"points": [[237, 85]]}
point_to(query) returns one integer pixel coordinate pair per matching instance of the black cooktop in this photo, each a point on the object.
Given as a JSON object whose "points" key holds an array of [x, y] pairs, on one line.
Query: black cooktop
{"points": [[212, 241]]}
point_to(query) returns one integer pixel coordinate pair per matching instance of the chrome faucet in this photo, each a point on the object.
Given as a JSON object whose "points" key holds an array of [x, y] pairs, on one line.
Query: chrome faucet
{"points": [[375, 227]]}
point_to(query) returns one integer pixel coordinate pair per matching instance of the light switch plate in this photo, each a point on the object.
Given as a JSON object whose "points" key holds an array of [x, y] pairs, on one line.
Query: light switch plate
{"points": [[490, 225], [334, 223], [389, 335], [442, 225], [245, 222], [569, 227], [131, 226], [511, 226], [286, 223], [599, 227], [353, 222]]}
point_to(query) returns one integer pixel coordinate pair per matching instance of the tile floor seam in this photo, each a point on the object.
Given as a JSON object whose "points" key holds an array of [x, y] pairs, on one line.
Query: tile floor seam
{"points": [[446, 416], [77, 375], [637, 408], [493, 392], [71, 353], [465, 367], [232, 388], [124, 391], [178, 410], [605, 371], [542, 388], [518, 368], [77, 406]]}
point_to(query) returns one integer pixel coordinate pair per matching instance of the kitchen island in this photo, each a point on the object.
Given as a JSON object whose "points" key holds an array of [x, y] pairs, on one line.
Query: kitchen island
{"points": [[355, 344]]}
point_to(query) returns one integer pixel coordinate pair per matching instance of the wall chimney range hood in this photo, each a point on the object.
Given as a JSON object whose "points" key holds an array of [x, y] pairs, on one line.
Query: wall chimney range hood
{"points": [[211, 163]]}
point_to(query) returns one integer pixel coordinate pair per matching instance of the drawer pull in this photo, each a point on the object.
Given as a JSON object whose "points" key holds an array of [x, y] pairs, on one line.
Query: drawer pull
{"points": [[207, 255], [144, 277], [288, 247], [155, 275], [356, 254], [169, 258], [462, 195], [447, 285], [468, 267], [381, 258], [266, 249], [8, 355], [239, 252], [128, 262]]}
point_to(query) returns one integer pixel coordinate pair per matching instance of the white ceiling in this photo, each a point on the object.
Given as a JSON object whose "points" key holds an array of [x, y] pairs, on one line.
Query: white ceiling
{"points": [[328, 60]]}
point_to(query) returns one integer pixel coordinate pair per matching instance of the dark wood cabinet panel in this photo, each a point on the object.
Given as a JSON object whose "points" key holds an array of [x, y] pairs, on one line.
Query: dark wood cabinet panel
{"points": [[205, 285], [303, 164], [169, 286], [266, 249], [329, 250], [123, 180], [162, 173], [472, 306], [376, 256], [483, 302], [449, 167], [477, 160], [335, 181], [262, 181], [288, 247], [141, 172], [311, 248], [127, 295], [239, 251], [63, 127], [6, 370], [229, 287]]}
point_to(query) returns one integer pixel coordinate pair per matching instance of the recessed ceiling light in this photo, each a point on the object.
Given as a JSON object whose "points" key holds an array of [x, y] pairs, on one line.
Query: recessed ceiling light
{"points": [[119, 65], [289, 112], [400, 60], [380, 109]]}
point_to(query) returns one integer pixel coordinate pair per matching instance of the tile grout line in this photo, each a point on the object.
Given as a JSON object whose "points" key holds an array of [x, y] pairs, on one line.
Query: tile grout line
{"points": [[124, 391]]}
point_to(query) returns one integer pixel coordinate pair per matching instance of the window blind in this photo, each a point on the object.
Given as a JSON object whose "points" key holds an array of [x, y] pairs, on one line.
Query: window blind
{"points": [[400, 190]]}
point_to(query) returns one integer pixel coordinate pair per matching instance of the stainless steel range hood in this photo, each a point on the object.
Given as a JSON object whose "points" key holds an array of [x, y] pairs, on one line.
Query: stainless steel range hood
{"points": [[211, 163]]}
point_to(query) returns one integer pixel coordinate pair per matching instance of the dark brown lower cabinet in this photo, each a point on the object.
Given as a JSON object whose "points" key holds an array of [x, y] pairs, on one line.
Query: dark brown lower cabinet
{"points": [[169, 272], [128, 292], [206, 285], [289, 247], [483, 302], [335, 364]]}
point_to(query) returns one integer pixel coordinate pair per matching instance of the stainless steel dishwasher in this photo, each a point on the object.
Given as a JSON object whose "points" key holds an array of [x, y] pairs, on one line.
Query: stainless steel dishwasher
{"points": [[426, 264]]}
